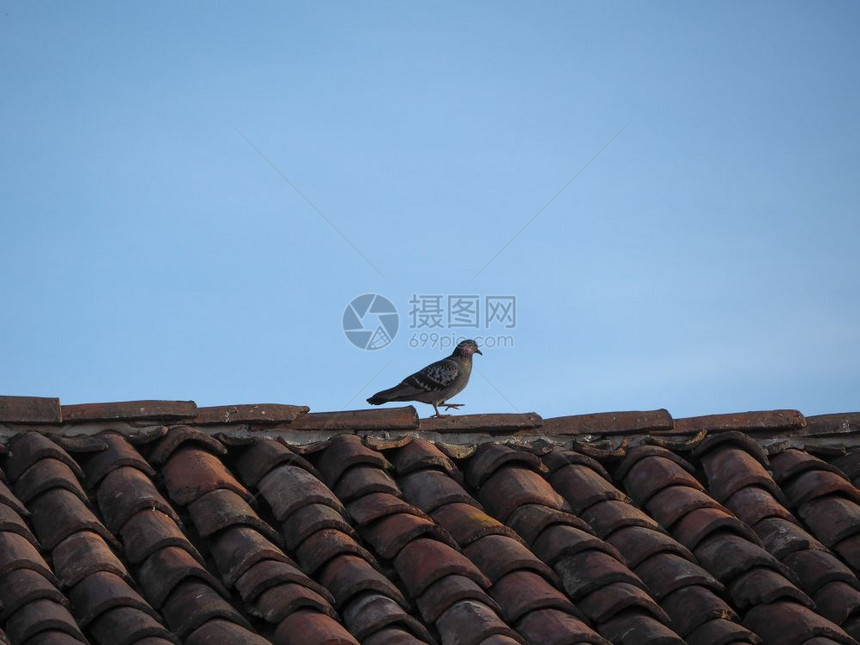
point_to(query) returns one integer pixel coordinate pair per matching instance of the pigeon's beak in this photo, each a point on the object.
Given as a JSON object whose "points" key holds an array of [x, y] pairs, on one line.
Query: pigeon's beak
{"points": [[478, 351]]}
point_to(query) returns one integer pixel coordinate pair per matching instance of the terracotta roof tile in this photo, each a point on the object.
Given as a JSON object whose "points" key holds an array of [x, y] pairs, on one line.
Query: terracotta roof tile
{"points": [[307, 539], [311, 518], [253, 413], [306, 627], [30, 409], [19, 587], [609, 423], [468, 622], [129, 410], [39, 616]]}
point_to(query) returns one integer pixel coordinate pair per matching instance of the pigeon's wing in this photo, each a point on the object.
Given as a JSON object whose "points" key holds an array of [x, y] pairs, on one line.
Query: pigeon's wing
{"points": [[435, 377]]}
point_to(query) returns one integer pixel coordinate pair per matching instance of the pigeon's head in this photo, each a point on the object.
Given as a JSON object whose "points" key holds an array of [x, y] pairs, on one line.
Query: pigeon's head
{"points": [[467, 348]]}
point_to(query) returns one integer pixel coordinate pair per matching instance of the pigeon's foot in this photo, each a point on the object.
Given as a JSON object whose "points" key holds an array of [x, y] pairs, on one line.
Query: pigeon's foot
{"points": [[452, 406]]}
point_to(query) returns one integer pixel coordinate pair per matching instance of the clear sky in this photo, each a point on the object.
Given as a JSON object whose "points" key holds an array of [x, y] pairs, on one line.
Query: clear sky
{"points": [[193, 192]]}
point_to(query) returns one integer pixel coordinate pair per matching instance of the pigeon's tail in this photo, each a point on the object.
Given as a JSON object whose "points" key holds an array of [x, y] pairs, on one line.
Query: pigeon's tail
{"points": [[396, 393]]}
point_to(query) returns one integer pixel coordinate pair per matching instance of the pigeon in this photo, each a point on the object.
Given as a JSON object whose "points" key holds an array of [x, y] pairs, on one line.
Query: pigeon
{"points": [[437, 382]]}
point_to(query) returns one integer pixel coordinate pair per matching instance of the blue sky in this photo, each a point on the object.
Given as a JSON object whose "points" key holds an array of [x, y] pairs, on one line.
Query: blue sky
{"points": [[167, 171]]}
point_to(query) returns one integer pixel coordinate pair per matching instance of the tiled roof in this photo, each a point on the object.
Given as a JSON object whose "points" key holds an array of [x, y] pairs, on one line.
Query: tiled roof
{"points": [[160, 522]]}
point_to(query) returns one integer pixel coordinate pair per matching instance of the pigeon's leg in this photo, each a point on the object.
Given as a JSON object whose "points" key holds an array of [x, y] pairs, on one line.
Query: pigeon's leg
{"points": [[437, 415], [450, 406]]}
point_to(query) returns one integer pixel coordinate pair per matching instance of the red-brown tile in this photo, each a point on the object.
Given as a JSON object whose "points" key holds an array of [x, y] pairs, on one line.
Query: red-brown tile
{"points": [[634, 627], [753, 504], [17, 552], [604, 603], [184, 436], [499, 555], [530, 520], [611, 515], [781, 537], [361, 480], [692, 606], [610, 423], [849, 465], [149, 531], [222, 632], [351, 421], [309, 519], [650, 475], [665, 573], [129, 411], [423, 561], [831, 519], [12, 522], [263, 455], [27, 448], [348, 575], [837, 601], [505, 423], [849, 550], [791, 462], [430, 489], [759, 585], [238, 548], [287, 488], [394, 636], [583, 487], [40, 616], [815, 569], [560, 540], [277, 602], [748, 421], [375, 506], [672, 503], [513, 486], [468, 622], [697, 525], [191, 603], [490, 457], [371, 612], [44, 475], [729, 469], [637, 543], [30, 409], [467, 523], [163, 571], [262, 413], [8, 500], [59, 513], [118, 453], [324, 545], [585, 572], [790, 623], [419, 454], [22, 586], [102, 591], [221, 508], [306, 627], [559, 458], [269, 573], [637, 453], [728, 556], [448, 590], [126, 491], [731, 438], [816, 483], [553, 627], [191, 472], [343, 453], [722, 632], [83, 554], [390, 534]]}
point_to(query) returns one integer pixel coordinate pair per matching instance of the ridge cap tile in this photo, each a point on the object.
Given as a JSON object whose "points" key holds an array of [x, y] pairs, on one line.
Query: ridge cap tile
{"points": [[744, 421], [255, 413], [129, 410], [610, 423], [30, 409], [485, 423]]}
